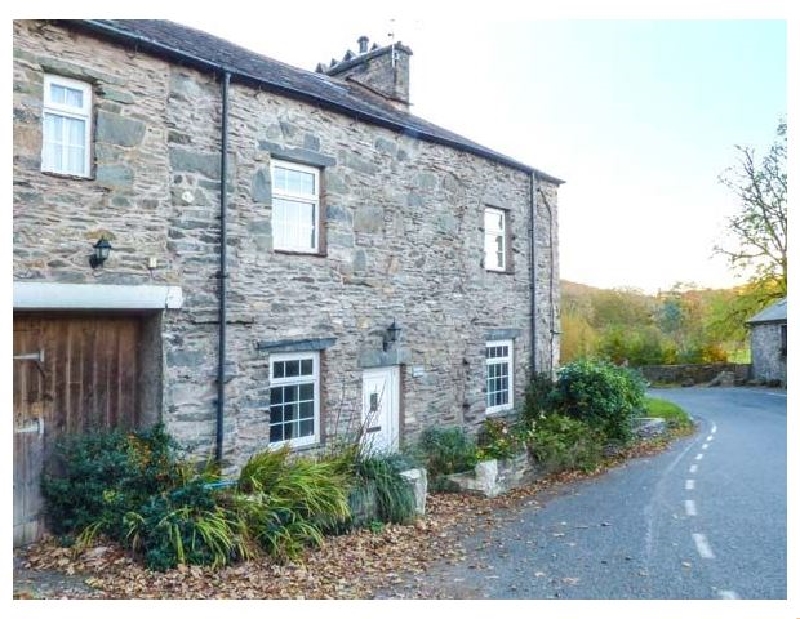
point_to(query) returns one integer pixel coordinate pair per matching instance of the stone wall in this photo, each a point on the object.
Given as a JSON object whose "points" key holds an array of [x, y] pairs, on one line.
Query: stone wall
{"points": [[403, 222], [769, 363], [696, 374]]}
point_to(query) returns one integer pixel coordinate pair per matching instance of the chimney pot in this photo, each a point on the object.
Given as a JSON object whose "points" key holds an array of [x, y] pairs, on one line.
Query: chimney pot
{"points": [[363, 44]]}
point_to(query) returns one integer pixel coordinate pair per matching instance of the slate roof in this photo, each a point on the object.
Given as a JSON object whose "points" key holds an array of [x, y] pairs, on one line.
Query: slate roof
{"points": [[177, 42], [774, 313]]}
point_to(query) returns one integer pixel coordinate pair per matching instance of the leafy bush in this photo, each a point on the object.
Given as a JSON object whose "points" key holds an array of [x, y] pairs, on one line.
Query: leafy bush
{"points": [[93, 480], [562, 443], [607, 397], [394, 495], [447, 450], [498, 439], [540, 398], [186, 526], [290, 501]]}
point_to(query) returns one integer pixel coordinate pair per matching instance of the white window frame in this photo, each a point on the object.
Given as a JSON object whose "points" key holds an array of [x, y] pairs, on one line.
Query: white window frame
{"points": [[497, 361], [489, 236], [68, 111], [296, 380], [312, 199]]}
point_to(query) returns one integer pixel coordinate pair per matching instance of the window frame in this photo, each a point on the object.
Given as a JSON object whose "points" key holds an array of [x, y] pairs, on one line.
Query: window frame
{"points": [[502, 268], [67, 111], [303, 441], [313, 199], [509, 359]]}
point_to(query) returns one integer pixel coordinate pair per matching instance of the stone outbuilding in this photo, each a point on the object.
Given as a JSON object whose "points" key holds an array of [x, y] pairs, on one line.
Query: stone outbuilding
{"points": [[768, 343], [257, 254]]}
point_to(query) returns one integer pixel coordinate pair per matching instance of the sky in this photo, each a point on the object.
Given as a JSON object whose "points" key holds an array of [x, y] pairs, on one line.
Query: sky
{"points": [[639, 117]]}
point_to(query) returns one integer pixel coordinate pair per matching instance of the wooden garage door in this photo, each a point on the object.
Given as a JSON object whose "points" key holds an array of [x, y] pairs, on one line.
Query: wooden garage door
{"points": [[89, 376], [88, 379]]}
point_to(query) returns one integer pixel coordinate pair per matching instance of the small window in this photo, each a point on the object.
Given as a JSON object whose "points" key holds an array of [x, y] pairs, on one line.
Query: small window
{"points": [[295, 207], [494, 226], [67, 129], [294, 399], [499, 376]]}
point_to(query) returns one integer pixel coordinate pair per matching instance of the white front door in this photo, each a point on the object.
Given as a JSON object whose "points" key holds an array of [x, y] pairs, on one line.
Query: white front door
{"points": [[380, 412]]}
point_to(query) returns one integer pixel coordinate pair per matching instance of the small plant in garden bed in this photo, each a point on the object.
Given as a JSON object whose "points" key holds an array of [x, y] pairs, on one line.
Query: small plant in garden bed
{"points": [[499, 439], [562, 443], [444, 451]]}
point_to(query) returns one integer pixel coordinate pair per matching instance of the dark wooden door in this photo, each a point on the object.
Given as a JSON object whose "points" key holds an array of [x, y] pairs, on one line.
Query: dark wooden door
{"points": [[72, 374]]}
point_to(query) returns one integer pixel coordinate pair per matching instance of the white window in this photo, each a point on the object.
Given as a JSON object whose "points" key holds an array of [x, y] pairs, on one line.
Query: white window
{"points": [[294, 399], [494, 226], [295, 207], [499, 376], [67, 126]]}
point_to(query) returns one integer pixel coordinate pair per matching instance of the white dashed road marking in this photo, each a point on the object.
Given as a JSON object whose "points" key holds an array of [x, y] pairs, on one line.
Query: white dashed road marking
{"points": [[690, 484], [690, 508], [728, 595], [705, 445], [702, 546], [693, 468], [709, 438], [713, 428], [699, 457]]}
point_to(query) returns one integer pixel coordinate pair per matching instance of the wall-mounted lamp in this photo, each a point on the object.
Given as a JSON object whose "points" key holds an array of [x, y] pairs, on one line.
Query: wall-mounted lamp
{"points": [[101, 251], [390, 337]]}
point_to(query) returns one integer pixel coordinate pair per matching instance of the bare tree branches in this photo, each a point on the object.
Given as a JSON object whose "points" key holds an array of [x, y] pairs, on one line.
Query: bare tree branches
{"points": [[759, 227]]}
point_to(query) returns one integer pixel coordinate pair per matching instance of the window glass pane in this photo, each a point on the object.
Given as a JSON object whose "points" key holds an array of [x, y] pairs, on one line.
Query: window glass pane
{"points": [[307, 391], [74, 97], [58, 94], [293, 224], [306, 410], [307, 367], [278, 369], [275, 433], [279, 178], [292, 368], [290, 393], [276, 414], [276, 396], [307, 427], [293, 181], [289, 431]]}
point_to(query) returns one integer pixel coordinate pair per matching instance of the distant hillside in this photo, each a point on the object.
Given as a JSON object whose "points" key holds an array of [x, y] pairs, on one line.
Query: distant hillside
{"points": [[682, 324]]}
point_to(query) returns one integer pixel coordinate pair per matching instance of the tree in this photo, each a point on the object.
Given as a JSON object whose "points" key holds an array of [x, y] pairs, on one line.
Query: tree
{"points": [[759, 227]]}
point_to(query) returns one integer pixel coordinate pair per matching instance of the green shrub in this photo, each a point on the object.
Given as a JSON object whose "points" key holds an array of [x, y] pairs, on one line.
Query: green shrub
{"points": [[393, 493], [499, 439], [185, 526], [605, 396], [286, 503], [93, 480], [563, 443], [446, 450], [540, 399]]}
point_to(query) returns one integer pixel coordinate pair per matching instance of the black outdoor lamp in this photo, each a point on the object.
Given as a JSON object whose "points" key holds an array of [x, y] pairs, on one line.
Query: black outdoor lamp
{"points": [[101, 251], [391, 335]]}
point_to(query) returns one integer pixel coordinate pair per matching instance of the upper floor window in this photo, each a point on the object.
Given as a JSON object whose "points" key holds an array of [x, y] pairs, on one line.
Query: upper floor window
{"points": [[495, 230], [295, 207], [67, 127], [499, 376]]}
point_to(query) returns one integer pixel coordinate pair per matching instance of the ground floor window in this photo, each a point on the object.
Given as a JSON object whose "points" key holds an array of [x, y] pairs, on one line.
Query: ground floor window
{"points": [[499, 376], [294, 399]]}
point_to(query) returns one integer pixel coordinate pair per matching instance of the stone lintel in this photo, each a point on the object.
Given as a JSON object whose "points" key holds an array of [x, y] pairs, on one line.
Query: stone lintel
{"points": [[296, 155], [502, 334], [317, 343]]}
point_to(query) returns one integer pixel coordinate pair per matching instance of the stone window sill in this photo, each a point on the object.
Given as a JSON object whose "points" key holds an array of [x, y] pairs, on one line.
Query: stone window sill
{"points": [[73, 177], [291, 252]]}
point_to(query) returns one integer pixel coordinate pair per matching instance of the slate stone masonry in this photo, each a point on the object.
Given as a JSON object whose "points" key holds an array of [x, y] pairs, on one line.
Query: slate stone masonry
{"points": [[403, 228]]}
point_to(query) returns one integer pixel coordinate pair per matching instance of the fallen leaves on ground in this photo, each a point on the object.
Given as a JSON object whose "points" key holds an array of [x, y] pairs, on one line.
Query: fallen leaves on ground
{"points": [[358, 565]]}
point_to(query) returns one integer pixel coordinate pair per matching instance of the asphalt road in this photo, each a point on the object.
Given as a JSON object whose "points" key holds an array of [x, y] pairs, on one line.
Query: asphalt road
{"points": [[706, 519]]}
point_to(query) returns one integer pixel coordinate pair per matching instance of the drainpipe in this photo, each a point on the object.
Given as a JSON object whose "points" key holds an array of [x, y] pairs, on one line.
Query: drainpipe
{"points": [[223, 273], [531, 231]]}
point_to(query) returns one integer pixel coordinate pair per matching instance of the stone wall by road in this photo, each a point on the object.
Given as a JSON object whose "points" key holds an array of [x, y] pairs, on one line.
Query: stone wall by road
{"points": [[404, 240], [697, 373]]}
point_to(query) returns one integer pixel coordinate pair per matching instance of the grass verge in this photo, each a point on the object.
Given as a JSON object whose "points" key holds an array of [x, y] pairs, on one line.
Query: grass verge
{"points": [[675, 416]]}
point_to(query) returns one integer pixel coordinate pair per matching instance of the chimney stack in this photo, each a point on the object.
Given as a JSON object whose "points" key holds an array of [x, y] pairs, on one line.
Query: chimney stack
{"points": [[363, 44]]}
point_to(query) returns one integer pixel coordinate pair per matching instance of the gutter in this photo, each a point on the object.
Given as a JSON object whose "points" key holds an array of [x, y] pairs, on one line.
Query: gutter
{"points": [[160, 49], [223, 272]]}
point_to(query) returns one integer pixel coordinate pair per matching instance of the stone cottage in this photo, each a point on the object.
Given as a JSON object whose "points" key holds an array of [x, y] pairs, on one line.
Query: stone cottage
{"points": [[768, 343], [358, 266]]}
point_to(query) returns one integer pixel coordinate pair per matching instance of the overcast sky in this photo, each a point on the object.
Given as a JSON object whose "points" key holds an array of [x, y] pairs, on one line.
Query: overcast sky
{"points": [[639, 117]]}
